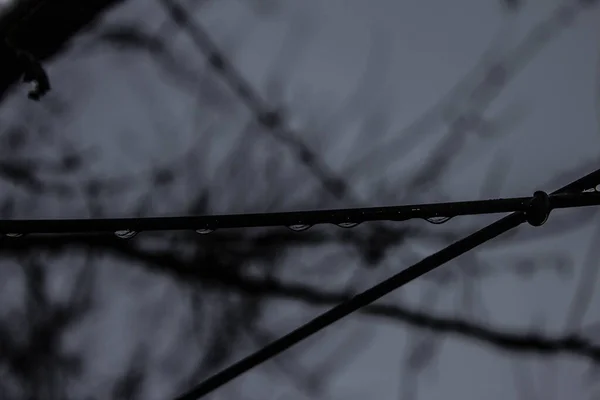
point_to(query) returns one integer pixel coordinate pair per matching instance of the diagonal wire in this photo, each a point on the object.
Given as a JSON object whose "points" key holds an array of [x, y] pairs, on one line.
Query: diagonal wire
{"points": [[165, 262], [361, 300], [273, 120], [374, 293], [436, 213]]}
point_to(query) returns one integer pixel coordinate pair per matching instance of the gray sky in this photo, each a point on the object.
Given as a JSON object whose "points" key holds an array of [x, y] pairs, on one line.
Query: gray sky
{"points": [[412, 53]]}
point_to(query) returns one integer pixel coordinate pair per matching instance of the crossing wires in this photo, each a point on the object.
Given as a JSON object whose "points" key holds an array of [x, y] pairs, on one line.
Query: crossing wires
{"points": [[537, 212], [298, 221]]}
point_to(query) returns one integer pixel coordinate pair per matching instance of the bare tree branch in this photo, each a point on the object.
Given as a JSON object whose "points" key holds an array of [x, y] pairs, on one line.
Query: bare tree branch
{"points": [[171, 265], [271, 119]]}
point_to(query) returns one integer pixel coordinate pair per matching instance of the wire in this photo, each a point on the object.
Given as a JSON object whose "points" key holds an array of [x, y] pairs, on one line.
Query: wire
{"points": [[297, 221], [383, 288]]}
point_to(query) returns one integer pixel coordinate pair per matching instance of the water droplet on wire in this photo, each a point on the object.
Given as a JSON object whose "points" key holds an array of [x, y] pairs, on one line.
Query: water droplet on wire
{"points": [[14, 235], [125, 234], [204, 231], [299, 227], [347, 224], [437, 220]]}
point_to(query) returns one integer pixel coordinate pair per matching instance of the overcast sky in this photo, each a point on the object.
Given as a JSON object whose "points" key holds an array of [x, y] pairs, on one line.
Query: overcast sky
{"points": [[413, 52]]}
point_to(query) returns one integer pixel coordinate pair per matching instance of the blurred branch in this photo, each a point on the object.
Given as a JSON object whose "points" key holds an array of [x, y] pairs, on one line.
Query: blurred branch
{"points": [[271, 119], [464, 105], [462, 108], [21, 174], [31, 339], [588, 280], [167, 263], [524, 383], [298, 376], [130, 385], [517, 342]]}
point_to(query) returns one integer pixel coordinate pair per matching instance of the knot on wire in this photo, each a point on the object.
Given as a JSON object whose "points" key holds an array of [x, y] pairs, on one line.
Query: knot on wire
{"points": [[539, 209]]}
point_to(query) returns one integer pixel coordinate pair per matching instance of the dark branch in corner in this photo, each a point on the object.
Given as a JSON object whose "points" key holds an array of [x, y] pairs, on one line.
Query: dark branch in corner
{"points": [[169, 264], [41, 29], [30, 69]]}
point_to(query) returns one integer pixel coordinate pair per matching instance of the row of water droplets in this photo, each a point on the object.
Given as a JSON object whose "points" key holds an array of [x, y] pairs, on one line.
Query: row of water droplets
{"points": [[129, 233], [595, 189], [121, 234]]}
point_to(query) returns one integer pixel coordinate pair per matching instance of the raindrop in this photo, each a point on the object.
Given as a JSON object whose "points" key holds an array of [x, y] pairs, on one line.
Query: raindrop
{"points": [[14, 235], [204, 231], [299, 227], [348, 224], [437, 220], [125, 234]]}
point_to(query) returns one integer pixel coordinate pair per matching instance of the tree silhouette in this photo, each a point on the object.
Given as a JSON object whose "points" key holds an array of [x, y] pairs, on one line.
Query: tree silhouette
{"points": [[168, 309]]}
